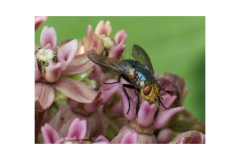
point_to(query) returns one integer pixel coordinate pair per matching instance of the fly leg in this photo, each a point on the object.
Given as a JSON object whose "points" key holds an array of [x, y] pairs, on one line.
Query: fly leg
{"points": [[131, 87], [119, 77], [138, 92], [138, 102], [159, 101]]}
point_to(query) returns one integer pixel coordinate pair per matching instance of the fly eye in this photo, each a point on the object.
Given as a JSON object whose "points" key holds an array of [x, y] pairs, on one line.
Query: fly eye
{"points": [[147, 90]]}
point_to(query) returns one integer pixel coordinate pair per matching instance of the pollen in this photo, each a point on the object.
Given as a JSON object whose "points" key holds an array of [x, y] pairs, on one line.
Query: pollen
{"points": [[107, 41], [45, 54]]}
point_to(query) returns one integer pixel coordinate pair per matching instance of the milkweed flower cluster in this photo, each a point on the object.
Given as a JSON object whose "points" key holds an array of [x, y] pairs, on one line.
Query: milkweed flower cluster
{"points": [[73, 105]]}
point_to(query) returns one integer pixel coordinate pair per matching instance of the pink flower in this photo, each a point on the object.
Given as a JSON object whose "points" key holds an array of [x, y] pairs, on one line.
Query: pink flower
{"points": [[76, 134], [54, 68], [103, 28], [89, 112], [65, 116], [106, 28], [116, 51], [127, 135], [173, 85], [102, 42], [91, 41], [39, 20], [146, 122], [164, 136], [50, 135], [104, 45], [77, 131], [120, 37]]}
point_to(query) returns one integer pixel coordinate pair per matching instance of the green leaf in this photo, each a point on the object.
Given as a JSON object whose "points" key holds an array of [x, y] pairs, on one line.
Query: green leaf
{"points": [[81, 76]]}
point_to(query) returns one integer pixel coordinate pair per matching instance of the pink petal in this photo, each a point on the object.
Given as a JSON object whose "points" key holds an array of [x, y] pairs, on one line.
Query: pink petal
{"points": [[50, 135], [97, 43], [49, 35], [116, 52], [193, 141], [156, 75], [67, 53], [96, 73], [80, 49], [168, 100], [56, 121], [53, 71], [92, 107], [103, 139], [182, 140], [39, 20], [37, 71], [92, 40], [197, 140], [103, 28], [88, 40], [120, 37], [72, 103], [164, 116], [44, 96], [77, 129], [146, 114], [117, 108], [108, 90], [132, 112], [76, 90], [164, 136], [129, 138], [80, 64]]}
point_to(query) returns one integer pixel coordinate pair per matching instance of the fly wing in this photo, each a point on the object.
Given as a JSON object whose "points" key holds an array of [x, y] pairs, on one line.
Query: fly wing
{"points": [[108, 62], [141, 56]]}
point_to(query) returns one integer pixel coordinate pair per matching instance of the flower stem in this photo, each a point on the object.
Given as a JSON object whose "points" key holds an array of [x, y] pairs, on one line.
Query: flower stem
{"points": [[38, 123]]}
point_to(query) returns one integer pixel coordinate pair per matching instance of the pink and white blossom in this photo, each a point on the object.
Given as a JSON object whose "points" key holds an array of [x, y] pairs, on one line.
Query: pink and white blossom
{"points": [[55, 73]]}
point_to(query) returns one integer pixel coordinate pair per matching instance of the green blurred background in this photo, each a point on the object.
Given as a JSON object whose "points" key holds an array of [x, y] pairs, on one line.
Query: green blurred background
{"points": [[174, 44]]}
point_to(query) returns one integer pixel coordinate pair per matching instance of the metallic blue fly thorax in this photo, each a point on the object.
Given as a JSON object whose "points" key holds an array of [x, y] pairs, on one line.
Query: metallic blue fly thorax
{"points": [[144, 74], [141, 76]]}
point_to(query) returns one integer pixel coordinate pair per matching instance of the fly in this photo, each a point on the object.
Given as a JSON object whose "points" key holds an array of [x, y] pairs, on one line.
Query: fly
{"points": [[138, 72]]}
